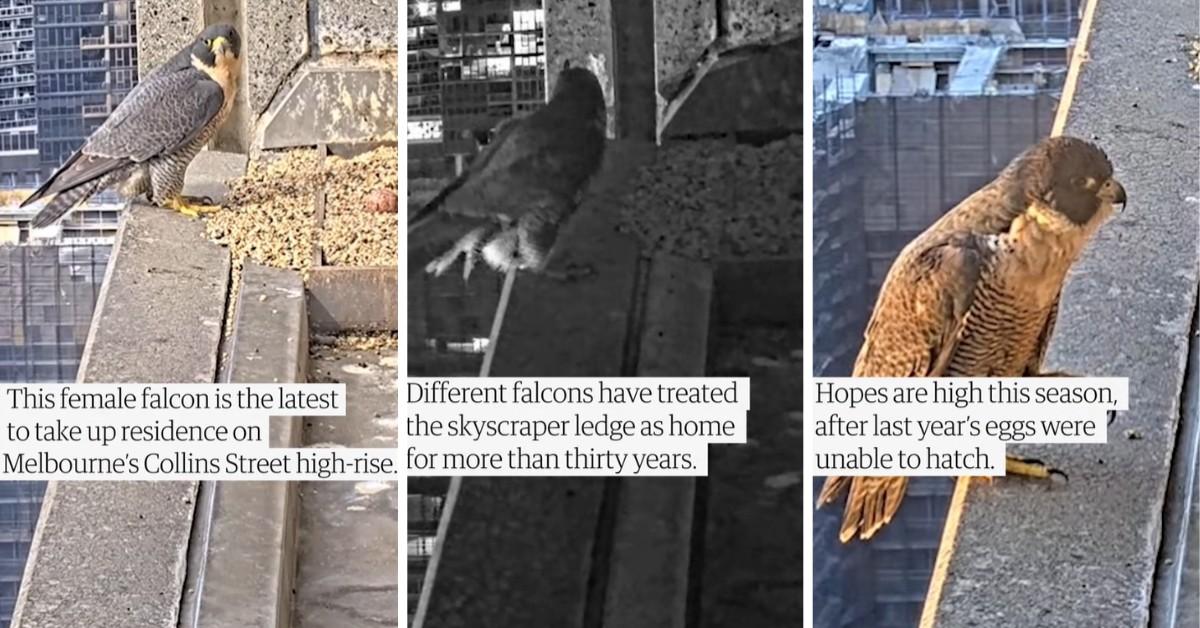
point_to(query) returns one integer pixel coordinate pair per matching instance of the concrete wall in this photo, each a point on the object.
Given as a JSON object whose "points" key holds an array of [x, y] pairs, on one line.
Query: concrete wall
{"points": [[280, 37], [581, 31]]}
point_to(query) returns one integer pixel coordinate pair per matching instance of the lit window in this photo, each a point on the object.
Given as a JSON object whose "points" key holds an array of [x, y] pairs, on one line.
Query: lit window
{"points": [[528, 20], [424, 130], [452, 5], [425, 8]]}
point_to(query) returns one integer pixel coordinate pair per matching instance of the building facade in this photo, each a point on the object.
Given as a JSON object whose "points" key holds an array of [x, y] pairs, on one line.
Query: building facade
{"points": [[471, 64], [64, 66], [19, 163], [86, 53]]}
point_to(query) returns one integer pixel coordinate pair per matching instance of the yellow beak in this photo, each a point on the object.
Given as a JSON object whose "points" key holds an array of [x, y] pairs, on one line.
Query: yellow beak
{"points": [[218, 45]]}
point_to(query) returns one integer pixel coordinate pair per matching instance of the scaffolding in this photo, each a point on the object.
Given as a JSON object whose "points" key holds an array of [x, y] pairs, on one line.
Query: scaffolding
{"points": [[1039, 19]]}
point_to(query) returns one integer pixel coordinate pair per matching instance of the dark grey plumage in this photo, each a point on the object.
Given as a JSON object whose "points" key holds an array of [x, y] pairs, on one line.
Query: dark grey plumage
{"points": [[509, 206], [148, 142]]}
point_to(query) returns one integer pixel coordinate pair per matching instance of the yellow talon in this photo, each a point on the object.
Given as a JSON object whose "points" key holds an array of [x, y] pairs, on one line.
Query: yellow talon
{"points": [[1030, 468], [190, 210]]}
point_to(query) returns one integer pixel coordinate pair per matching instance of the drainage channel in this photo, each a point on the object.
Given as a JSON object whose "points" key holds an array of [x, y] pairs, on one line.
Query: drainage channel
{"points": [[348, 549], [1177, 574], [347, 554]]}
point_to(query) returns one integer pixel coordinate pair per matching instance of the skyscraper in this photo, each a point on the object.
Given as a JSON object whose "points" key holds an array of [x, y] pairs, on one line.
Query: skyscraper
{"points": [[64, 66], [471, 64], [18, 103], [86, 63]]}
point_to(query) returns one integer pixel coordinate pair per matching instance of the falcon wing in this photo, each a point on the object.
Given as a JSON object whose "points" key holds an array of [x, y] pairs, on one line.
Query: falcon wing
{"points": [[918, 320], [158, 119], [500, 153], [922, 309]]}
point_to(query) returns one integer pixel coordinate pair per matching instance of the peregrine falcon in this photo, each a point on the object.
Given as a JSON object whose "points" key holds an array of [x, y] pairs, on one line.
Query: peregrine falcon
{"points": [[976, 294], [147, 143], [508, 206]]}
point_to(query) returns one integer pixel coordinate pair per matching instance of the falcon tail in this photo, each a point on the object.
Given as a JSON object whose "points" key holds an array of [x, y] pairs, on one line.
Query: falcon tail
{"points": [[74, 181], [870, 505], [63, 203]]}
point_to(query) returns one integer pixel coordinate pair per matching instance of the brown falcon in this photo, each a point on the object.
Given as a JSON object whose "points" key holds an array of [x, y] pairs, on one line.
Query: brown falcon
{"points": [[977, 293]]}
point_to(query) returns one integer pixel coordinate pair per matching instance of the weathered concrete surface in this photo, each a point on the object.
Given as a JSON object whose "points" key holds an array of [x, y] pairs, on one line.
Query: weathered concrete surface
{"points": [[250, 562], [158, 317], [748, 90], [682, 30], [1084, 553], [635, 81], [518, 552], [757, 20], [349, 554], [341, 298], [358, 26], [333, 105], [738, 282], [540, 548], [651, 559], [755, 579], [210, 174], [580, 31], [164, 27], [275, 42], [114, 553], [107, 554], [1188, 604]]}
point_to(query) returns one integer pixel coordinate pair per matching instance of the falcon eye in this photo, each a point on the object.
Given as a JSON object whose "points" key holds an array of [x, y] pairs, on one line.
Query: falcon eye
{"points": [[207, 42], [1087, 183]]}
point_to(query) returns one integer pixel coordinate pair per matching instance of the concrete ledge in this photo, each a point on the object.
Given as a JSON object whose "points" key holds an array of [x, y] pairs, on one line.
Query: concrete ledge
{"points": [[1085, 553], [343, 297], [742, 286], [651, 559], [540, 540], [114, 553], [210, 173], [249, 565]]}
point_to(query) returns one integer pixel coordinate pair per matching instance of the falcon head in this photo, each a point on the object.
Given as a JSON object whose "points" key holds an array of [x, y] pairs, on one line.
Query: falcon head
{"points": [[218, 47], [1071, 176], [579, 90]]}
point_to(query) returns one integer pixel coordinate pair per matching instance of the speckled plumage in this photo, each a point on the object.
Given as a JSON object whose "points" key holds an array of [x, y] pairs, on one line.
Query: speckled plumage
{"points": [[976, 294], [147, 143], [509, 205]]}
